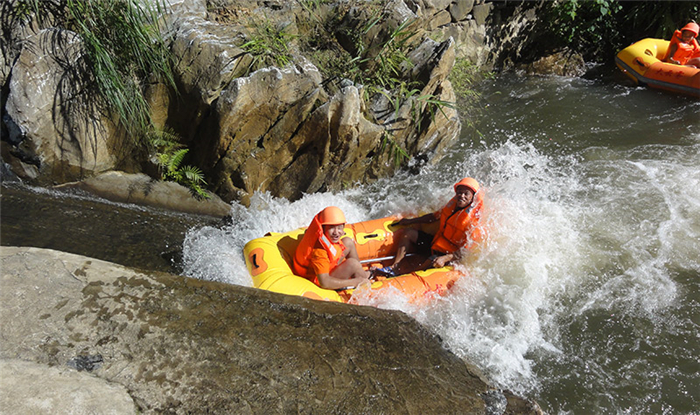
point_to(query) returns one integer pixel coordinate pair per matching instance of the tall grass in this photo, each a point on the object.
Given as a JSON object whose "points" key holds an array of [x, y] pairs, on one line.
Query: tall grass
{"points": [[268, 45], [123, 47]]}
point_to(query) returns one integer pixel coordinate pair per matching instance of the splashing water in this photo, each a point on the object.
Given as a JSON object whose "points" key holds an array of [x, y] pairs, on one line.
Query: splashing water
{"points": [[586, 293]]}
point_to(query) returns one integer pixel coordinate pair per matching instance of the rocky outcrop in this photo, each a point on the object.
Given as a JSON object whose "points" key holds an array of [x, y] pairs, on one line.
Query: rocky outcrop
{"points": [[179, 345], [286, 130], [59, 131], [562, 63]]}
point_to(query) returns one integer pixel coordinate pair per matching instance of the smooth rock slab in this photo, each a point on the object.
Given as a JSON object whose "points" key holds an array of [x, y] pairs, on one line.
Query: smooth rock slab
{"points": [[180, 345], [31, 388]]}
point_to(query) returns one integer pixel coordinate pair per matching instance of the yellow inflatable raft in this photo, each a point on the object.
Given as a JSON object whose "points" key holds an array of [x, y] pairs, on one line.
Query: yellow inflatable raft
{"points": [[269, 262], [641, 62]]}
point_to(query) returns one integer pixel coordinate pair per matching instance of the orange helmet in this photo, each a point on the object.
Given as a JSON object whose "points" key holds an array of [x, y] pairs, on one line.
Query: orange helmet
{"points": [[331, 216], [469, 182], [692, 27]]}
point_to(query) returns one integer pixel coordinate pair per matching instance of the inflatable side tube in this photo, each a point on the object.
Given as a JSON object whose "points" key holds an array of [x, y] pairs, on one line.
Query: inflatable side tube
{"points": [[270, 270]]}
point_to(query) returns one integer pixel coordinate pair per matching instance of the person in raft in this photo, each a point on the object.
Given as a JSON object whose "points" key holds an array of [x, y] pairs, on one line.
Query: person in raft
{"points": [[459, 228], [325, 257], [684, 48]]}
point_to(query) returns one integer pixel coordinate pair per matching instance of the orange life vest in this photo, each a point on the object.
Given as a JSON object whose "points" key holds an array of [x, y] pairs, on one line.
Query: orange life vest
{"points": [[312, 236], [684, 51], [458, 227]]}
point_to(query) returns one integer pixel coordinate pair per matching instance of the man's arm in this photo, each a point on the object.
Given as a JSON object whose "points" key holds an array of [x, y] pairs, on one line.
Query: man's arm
{"points": [[427, 218], [329, 282]]}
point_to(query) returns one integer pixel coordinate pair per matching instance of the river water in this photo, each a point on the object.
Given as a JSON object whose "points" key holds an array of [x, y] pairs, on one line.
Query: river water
{"points": [[586, 296]]}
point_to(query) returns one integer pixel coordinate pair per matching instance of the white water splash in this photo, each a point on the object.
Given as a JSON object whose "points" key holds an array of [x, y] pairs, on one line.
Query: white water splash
{"points": [[567, 235]]}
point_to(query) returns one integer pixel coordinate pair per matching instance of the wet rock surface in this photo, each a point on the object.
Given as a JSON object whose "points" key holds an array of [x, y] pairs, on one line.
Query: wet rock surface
{"points": [[181, 345], [68, 221]]}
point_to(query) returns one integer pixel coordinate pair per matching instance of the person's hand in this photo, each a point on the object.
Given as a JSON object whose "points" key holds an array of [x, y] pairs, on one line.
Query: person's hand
{"points": [[398, 222], [403, 222], [442, 260]]}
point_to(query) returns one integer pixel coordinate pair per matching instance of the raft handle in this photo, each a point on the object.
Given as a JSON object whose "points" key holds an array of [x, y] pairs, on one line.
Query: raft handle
{"points": [[640, 62], [372, 235]]}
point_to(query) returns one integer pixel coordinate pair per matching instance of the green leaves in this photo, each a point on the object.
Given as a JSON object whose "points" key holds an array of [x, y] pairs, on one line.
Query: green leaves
{"points": [[396, 153], [169, 156], [269, 45], [597, 29], [123, 46]]}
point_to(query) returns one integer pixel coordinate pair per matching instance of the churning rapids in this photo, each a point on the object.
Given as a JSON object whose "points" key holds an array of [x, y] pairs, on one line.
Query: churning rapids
{"points": [[587, 295]]}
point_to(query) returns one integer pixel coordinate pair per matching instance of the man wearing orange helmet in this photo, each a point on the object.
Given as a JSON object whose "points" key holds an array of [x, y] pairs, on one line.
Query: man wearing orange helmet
{"points": [[325, 257], [684, 49], [459, 220]]}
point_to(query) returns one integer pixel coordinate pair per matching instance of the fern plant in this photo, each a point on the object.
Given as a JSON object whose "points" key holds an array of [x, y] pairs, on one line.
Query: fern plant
{"points": [[169, 155], [188, 176]]}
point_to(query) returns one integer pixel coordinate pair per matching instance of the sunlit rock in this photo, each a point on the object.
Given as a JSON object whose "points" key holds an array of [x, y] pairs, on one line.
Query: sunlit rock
{"points": [[56, 123], [33, 388], [182, 345], [141, 189]]}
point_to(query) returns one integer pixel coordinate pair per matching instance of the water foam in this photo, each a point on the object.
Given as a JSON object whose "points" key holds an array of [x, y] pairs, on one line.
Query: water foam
{"points": [[564, 241]]}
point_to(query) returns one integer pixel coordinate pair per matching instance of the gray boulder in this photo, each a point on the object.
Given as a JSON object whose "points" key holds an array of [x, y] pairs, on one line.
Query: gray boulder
{"points": [[52, 117], [141, 189], [180, 345], [32, 388]]}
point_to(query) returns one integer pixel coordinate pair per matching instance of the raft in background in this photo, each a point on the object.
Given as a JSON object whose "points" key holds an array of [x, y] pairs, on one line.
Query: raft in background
{"points": [[269, 262], [642, 62]]}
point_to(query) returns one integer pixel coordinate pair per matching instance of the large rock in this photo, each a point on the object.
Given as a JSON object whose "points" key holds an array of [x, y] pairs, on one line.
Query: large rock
{"points": [[179, 345], [562, 63], [32, 388], [51, 117], [251, 137], [140, 189], [207, 59], [272, 131]]}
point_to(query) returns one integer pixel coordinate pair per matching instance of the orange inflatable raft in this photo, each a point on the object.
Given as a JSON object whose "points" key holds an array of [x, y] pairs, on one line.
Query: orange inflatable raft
{"points": [[269, 262], [641, 62]]}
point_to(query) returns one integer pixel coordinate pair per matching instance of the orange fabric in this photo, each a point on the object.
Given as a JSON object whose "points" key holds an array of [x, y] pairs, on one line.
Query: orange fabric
{"points": [[684, 51], [321, 261], [457, 228], [313, 241], [303, 251]]}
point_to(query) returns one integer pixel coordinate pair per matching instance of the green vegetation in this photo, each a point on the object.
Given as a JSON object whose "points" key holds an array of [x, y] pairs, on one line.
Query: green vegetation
{"points": [[396, 153], [599, 28], [342, 52], [169, 157], [385, 71], [464, 77], [269, 45], [122, 47]]}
